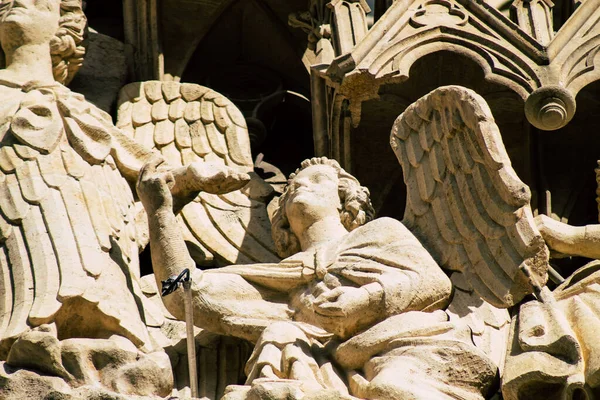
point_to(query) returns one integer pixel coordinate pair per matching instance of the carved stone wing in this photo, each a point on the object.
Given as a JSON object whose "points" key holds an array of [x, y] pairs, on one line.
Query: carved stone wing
{"points": [[187, 123], [464, 200], [59, 219]]}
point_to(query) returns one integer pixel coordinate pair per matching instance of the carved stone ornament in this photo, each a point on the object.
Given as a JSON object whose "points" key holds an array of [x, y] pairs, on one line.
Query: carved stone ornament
{"points": [[439, 12], [546, 68], [295, 289]]}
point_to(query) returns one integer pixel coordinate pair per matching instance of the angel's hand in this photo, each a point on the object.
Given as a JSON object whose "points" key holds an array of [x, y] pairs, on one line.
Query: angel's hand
{"points": [[562, 238], [153, 186], [206, 177], [216, 178], [342, 301]]}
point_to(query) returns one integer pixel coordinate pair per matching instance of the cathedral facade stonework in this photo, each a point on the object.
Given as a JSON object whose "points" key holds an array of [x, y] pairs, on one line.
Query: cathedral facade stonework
{"points": [[256, 199]]}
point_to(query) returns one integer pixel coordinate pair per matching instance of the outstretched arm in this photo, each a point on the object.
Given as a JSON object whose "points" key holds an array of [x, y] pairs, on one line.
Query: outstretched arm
{"points": [[187, 181], [169, 252], [570, 240]]}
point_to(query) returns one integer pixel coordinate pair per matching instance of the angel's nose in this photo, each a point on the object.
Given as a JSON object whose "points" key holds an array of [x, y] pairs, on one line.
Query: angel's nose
{"points": [[301, 182]]}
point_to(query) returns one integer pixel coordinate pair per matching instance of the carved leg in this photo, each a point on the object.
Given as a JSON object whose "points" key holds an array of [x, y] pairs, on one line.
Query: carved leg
{"points": [[423, 370]]}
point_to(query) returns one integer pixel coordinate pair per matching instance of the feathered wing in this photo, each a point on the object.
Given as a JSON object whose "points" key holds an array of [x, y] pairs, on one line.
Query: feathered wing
{"points": [[187, 123], [61, 221], [470, 210], [464, 200]]}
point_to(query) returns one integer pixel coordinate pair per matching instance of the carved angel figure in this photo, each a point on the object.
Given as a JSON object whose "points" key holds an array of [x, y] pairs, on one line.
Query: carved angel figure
{"points": [[69, 227], [361, 307], [347, 278], [66, 207]]}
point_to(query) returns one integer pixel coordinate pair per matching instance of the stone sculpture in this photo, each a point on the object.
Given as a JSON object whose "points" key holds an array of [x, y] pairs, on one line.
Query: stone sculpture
{"points": [[336, 304], [190, 123], [553, 344], [356, 303], [59, 165], [340, 283], [70, 231]]}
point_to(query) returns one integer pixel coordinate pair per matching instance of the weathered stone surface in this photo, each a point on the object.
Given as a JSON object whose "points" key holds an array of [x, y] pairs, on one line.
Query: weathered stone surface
{"points": [[23, 384], [116, 364], [329, 303]]}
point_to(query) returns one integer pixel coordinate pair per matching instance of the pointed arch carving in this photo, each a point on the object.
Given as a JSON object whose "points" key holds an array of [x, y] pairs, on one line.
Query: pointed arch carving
{"points": [[546, 71], [501, 65]]}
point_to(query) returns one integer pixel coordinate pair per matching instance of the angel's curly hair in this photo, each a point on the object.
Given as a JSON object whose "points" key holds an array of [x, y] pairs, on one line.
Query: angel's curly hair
{"points": [[356, 207], [67, 46]]}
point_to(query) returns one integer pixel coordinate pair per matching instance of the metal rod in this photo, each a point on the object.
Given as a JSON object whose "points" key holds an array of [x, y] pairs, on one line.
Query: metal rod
{"points": [[191, 343], [554, 275]]}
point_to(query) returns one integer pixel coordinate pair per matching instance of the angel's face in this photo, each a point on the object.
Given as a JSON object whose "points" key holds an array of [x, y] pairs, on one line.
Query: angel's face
{"points": [[313, 194], [30, 22]]}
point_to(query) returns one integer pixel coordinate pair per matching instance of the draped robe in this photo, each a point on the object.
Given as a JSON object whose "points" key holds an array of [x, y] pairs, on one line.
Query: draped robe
{"points": [[407, 349]]}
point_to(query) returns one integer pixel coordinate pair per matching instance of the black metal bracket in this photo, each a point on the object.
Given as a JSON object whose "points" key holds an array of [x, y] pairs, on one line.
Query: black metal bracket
{"points": [[171, 284]]}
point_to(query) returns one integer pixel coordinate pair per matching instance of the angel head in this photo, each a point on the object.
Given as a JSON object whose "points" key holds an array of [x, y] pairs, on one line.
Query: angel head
{"points": [[319, 189], [59, 23]]}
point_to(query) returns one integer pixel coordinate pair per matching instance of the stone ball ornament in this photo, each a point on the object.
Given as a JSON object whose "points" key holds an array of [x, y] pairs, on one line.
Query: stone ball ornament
{"points": [[550, 108]]}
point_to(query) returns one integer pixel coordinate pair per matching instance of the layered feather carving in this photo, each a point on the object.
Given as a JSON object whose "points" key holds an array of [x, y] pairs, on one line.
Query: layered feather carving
{"points": [[464, 200], [65, 223], [189, 123], [58, 217]]}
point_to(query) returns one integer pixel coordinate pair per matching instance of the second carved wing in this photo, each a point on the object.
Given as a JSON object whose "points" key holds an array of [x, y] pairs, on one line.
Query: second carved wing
{"points": [[464, 200], [188, 123]]}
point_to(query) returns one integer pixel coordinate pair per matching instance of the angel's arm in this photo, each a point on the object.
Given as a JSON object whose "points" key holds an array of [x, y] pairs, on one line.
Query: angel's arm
{"points": [[282, 277], [168, 250], [130, 156], [570, 240], [188, 181], [390, 274]]}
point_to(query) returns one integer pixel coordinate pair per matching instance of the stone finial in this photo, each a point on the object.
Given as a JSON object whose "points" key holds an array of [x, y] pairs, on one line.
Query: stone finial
{"points": [[550, 108]]}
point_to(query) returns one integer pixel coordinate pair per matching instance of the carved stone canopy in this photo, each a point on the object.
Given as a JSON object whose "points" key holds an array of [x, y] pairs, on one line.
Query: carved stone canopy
{"points": [[533, 78], [546, 69]]}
